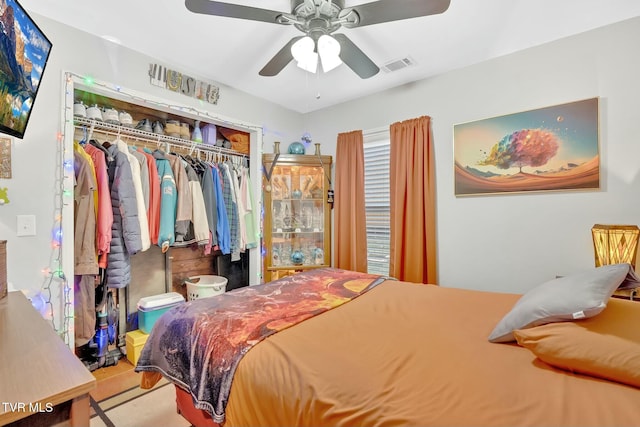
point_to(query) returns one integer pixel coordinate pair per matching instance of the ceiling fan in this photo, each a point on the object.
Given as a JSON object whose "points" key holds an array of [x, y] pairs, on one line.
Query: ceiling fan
{"points": [[316, 18]]}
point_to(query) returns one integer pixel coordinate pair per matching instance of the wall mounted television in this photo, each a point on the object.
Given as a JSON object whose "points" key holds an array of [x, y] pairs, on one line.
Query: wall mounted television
{"points": [[24, 51]]}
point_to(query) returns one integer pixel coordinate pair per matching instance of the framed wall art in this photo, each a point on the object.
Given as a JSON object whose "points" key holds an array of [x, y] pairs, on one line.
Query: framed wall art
{"points": [[547, 149], [24, 53], [5, 157]]}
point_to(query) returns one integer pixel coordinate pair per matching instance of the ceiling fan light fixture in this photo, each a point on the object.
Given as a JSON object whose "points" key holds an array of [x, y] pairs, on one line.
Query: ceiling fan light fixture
{"points": [[302, 47], [329, 51], [303, 51], [309, 62]]}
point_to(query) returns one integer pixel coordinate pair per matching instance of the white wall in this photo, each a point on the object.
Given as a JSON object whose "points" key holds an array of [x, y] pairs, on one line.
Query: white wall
{"points": [[513, 242], [32, 188]]}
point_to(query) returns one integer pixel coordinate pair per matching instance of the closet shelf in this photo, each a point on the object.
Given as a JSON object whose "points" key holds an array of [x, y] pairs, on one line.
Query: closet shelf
{"points": [[117, 130]]}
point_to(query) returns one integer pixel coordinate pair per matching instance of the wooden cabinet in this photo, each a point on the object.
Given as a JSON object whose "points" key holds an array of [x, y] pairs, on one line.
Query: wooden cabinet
{"points": [[297, 215]]}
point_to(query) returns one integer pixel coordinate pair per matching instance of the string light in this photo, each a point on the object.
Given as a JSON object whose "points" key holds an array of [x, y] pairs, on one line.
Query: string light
{"points": [[54, 275], [56, 235]]}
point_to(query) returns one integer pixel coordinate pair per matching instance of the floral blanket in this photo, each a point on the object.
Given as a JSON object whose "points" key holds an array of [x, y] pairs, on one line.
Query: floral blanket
{"points": [[198, 345]]}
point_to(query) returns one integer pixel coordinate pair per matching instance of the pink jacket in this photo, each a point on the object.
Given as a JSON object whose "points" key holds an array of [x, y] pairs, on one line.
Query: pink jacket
{"points": [[153, 213], [105, 211]]}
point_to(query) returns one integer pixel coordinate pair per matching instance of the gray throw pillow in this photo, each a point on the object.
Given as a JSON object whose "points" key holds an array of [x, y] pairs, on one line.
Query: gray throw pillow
{"points": [[577, 296]]}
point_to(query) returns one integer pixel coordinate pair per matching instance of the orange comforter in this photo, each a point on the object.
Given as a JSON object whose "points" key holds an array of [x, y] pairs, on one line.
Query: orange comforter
{"points": [[410, 354]]}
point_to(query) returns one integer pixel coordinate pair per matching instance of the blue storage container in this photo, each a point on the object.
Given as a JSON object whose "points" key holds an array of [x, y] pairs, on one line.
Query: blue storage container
{"points": [[151, 308]]}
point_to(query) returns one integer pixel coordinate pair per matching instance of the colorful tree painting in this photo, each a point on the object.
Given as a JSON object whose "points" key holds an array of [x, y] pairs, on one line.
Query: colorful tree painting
{"points": [[526, 147], [547, 149]]}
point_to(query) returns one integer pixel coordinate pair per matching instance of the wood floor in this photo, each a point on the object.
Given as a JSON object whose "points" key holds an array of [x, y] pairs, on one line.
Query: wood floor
{"points": [[115, 379]]}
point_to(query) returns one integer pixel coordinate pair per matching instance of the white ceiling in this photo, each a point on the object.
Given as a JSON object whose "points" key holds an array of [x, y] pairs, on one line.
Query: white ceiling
{"points": [[232, 51]]}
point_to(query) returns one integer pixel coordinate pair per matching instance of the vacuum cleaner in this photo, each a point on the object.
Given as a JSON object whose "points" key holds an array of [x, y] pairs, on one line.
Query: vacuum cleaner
{"points": [[96, 353]]}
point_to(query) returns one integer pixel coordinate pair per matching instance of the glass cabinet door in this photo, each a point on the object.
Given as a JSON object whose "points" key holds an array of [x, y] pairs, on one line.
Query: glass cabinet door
{"points": [[296, 216]]}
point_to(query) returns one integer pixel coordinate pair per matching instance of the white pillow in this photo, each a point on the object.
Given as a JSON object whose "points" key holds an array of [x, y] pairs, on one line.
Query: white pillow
{"points": [[577, 296]]}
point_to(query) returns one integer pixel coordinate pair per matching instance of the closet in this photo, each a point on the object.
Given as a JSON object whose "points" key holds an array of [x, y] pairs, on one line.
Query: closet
{"points": [[154, 271]]}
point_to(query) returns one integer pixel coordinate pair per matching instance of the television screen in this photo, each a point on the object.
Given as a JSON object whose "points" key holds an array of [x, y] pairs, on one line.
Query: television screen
{"points": [[24, 51]]}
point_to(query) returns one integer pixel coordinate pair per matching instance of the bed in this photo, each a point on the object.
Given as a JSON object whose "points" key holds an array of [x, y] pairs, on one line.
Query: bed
{"points": [[382, 352]]}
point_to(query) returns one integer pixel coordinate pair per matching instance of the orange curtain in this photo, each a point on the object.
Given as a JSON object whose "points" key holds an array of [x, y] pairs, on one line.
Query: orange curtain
{"points": [[412, 180], [349, 215]]}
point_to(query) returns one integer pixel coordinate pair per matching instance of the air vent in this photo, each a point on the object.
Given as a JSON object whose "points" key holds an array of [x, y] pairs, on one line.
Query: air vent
{"points": [[398, 64]]}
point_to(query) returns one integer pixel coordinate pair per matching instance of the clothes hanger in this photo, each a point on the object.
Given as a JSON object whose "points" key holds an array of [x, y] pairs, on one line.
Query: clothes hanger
{"points": [[84, 139], [158, 147], [192, 148], [194, 161], [93, 125]]}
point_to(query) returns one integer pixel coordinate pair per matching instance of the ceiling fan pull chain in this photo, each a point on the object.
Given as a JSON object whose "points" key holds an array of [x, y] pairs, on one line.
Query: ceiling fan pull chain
{"points": [[318, 85]]}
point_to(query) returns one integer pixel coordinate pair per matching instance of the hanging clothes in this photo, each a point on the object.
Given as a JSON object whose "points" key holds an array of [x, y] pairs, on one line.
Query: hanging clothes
{"points": [[144, 175], [137, 186], [251, 230], [191, 201], [105, 211], [86, 260], [209, 196], [222, 224], [126, 240], [153, 210], [84, 308], [168, 201], [184, 204], [199, 228], [78, 149], [85, 255], [236, 242]]}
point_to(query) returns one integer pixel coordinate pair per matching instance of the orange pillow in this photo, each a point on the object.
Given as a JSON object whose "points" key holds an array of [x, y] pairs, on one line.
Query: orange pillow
{"points": [[573, 347]]}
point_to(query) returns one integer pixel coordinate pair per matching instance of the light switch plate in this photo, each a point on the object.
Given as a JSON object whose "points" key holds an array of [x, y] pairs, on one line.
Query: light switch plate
{"points": [[26, 225]]}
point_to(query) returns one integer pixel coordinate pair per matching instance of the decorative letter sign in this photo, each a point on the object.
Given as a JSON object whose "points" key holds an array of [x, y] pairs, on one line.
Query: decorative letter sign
{"points": [[177, 82]]}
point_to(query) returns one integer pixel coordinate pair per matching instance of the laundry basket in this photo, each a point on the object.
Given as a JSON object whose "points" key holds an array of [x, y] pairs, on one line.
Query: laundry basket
{"points": [[205, 286]]}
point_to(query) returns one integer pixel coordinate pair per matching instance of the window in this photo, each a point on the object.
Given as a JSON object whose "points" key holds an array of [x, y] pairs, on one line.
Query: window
{"points": [[377, 201]]}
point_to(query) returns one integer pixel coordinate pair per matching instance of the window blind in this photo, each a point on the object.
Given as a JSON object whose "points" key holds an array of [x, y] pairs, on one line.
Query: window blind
{"points": [[377, 201]]}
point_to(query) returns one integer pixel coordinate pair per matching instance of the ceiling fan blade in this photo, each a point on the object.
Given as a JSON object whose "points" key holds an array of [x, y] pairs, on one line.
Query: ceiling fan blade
{"points": [[280, 59], [389, 10], [355, 58], [229, 10]]}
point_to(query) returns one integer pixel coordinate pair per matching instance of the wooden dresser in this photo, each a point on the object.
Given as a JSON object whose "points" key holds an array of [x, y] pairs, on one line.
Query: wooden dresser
{"points": [[41, 381]]}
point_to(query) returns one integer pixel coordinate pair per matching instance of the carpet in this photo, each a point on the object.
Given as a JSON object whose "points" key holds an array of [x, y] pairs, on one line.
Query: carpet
{"points": [[139, 408]]}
